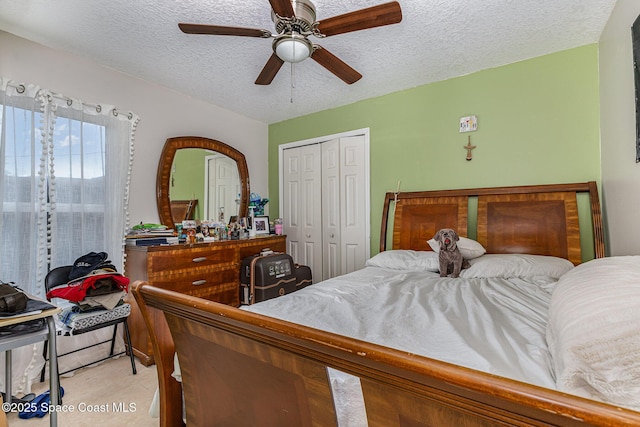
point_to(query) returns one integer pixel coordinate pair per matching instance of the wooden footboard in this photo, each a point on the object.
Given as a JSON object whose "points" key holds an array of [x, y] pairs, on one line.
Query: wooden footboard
{"points": [[241, 368]]}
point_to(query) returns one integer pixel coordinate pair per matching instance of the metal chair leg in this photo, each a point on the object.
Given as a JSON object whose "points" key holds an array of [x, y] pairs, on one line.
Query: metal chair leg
{"points": [[127, 337], [113, 339], [129, 347], [44, 354]]}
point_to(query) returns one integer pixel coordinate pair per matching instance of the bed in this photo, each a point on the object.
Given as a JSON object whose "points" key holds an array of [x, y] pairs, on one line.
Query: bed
{"points": [[316, 358]]}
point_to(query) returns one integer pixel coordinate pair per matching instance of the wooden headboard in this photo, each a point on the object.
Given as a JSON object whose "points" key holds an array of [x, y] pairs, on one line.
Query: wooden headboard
{"points": [[535, 219]]}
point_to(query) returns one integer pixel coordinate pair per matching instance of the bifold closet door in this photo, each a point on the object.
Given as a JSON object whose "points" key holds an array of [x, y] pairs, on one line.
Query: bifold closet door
{"points": [[302, 206], [331, 209], [324, 205], [343, 206]]}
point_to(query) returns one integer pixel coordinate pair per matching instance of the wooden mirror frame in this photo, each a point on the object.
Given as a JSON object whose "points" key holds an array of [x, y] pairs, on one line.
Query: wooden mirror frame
{"points": [[166, 161]]}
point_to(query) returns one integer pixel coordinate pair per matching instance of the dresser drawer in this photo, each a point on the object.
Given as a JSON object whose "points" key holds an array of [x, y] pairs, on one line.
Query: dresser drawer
{"points": [[218, 285], [225, 293], [189, 282], [202, 259], [205, 270]]}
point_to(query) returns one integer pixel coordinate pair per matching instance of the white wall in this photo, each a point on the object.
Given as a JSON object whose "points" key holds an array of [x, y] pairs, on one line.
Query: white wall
{"points": [[620, 172], [163, 113]]}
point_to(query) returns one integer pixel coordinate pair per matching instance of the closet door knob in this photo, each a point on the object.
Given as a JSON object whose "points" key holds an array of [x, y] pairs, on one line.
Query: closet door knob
{"points": [[332, 235], [309, 236]]}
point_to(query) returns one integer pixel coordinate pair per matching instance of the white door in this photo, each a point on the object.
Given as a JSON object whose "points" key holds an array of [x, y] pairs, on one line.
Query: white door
{"points": [[344, 237], [326, 183], [353, 213], [223, 187], [302, 213], [331, 201]]}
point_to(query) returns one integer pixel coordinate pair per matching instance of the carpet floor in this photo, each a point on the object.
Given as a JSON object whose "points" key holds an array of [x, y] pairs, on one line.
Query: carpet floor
{"points": [[106, 395]]}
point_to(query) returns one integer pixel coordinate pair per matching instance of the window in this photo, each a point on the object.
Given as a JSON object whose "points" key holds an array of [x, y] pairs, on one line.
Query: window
{"points": [[80, 186], [64, 183]]}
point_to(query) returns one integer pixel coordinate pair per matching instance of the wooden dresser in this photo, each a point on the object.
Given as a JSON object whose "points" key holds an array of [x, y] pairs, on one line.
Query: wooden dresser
{"points": [[206, 270]]}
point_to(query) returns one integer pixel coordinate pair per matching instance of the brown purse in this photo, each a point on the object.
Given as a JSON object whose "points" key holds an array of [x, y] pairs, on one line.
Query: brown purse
{"points": [[12, 299]]}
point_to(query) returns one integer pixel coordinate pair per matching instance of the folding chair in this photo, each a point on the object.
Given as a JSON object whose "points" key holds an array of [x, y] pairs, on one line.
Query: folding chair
{"points": [[60, 276]]}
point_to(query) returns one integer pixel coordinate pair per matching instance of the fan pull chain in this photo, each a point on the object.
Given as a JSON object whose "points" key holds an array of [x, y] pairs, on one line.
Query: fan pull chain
{"points": [[293, 79]]}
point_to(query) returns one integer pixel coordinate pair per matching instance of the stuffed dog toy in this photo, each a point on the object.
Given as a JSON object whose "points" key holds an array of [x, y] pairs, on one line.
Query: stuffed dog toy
{"points": [[451, 261]]}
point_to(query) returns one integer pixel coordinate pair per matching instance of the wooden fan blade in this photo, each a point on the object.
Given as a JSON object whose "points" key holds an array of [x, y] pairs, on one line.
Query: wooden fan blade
{"points": [[218, 30], [282, 8], [270, 70], [334, 64], [375, 16]]}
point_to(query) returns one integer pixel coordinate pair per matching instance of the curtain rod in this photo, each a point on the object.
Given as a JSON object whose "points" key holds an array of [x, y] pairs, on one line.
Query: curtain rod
{"points": [[21, 88]]}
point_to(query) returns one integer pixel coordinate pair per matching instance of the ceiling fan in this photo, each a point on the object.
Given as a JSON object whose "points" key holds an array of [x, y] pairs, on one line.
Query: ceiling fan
{"points": [[295, 21]]}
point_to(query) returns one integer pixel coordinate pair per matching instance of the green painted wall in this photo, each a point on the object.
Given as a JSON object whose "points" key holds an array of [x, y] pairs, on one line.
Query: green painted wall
{"points": [[188, 178], [538, 123]]}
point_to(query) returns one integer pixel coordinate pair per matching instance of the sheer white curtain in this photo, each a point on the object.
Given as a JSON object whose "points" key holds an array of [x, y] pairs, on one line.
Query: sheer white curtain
{"points": [[64, 183]]}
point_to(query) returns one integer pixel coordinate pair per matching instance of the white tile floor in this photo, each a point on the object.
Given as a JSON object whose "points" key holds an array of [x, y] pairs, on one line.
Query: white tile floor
{"points": [[98, 396]]}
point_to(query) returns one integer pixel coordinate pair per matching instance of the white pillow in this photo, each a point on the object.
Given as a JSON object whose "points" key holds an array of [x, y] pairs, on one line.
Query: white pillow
{"points": [[593, 331], [516, 265], [469, 248], [406, 260]]}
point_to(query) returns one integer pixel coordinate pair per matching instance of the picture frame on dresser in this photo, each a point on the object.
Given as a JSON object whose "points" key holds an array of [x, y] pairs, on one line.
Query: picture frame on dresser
{"points": [[261, 224]]}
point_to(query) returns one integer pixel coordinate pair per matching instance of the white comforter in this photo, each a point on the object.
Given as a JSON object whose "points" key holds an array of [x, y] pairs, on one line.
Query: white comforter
{"points": [[492, 324]]}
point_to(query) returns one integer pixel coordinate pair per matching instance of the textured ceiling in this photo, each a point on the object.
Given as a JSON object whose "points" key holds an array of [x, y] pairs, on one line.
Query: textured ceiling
{"points": [[436, 40]]}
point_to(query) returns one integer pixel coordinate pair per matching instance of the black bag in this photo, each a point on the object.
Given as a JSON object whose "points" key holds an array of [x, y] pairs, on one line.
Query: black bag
{"points": [[265, 276], [12, 300]]}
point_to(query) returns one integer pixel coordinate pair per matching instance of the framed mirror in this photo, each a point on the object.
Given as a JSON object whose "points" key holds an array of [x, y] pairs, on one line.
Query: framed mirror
{"points": [[197, 163]]}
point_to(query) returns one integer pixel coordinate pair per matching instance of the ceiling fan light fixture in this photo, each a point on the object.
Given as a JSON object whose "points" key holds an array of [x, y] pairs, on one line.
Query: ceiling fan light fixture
{"points": [[295, 21], [292, 48]]}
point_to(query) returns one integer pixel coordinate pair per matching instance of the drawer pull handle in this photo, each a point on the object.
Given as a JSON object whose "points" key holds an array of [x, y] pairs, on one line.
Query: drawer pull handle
{"points": [[199, 282], [199, 259]]}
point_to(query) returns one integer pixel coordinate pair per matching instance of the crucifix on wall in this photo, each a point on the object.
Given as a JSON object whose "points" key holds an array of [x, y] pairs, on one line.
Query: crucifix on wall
{"points": [[469, 147]]}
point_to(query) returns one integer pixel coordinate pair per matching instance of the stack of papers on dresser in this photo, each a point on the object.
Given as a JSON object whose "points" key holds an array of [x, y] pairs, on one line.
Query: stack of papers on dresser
{"points": [[150, 235], [150, 239]]}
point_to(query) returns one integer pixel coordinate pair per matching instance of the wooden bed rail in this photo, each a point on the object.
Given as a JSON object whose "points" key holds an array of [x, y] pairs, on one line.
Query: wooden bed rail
{"points": [[239, 367]]}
